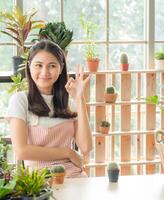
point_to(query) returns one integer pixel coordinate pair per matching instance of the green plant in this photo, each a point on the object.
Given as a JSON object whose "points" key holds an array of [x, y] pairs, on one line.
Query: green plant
{"points": [[110, 90], [159, 55], [18, 26], [58, 169], [58, 33], [30, 182], [104, 123], [6, 188], [18, 84], [113, 166], [89, 30], [124, 58]]}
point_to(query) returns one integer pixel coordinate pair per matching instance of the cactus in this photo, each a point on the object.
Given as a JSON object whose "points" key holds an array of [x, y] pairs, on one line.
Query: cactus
{"points": [[159, 55], [58, 169], [104, 123], [124, 58], [110, 90], [113, 166]]}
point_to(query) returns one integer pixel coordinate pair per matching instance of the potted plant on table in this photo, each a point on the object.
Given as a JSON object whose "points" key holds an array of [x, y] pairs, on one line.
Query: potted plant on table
{"points": [[57, 33], [90, 48], [104, 126], [58, 173], [113, 171], [110, 94], [124, 62], [18, 26], [159, 60]]}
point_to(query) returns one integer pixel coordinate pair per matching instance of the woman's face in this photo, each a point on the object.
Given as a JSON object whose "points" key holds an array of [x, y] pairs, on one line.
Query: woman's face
{"points": [[45, 70]]}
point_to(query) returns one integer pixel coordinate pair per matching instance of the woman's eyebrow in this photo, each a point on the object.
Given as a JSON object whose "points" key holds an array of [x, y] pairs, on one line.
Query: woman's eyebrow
{"points": [[47, 63]]}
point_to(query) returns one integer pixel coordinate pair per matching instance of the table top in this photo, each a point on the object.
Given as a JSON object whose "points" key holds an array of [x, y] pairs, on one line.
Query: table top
{"points": [[140, 187]]}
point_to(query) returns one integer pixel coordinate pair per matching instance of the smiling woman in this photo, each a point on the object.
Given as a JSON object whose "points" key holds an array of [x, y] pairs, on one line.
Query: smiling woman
{"points": [[42, 125]]}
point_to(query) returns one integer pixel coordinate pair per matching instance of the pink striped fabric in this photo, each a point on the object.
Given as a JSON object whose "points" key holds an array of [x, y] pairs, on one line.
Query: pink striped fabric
{"points": [[61, 135]]}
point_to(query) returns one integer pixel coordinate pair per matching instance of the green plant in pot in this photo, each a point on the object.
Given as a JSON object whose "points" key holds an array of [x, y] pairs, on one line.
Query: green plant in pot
{"points": [[104, 126], [90, 48], [124, 62], [58, 172], [110, 94], [58, 33], [31, 184], [18, 26], [159, 60], [113, 171]]}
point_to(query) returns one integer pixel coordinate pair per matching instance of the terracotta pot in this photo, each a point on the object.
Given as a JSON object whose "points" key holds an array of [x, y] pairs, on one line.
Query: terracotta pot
{"points": [[58, 178], [93, 65], [124, 67], [103, 129], [110, 98]]}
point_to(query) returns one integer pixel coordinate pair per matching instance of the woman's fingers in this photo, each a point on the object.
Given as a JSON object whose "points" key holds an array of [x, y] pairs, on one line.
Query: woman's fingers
{"points": [[69, 83]]}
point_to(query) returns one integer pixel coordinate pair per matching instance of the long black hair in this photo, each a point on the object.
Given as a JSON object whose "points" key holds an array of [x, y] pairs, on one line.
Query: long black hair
{"points": [[37, 105]]}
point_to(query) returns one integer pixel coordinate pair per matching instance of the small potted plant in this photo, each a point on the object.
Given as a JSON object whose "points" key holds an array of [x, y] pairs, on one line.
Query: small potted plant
{"points": [[104, 127], [90, 48], [124, 62], [58, 173], [57, 33], [159, 60], [18, 26], [113, 171], [110, 95]]}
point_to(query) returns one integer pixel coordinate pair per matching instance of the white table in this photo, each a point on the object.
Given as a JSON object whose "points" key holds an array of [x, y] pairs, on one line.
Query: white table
{"points": [[141, 187]]}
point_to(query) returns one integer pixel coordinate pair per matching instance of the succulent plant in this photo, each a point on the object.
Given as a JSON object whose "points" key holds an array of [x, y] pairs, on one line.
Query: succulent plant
{"points": [[113, 166], [124, 58], [159, 55], [104, 123], [58, 169], [110, 90], [58, 33]]}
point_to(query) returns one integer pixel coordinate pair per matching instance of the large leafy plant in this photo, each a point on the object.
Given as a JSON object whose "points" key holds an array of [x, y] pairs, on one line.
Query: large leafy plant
{"points": [[58, 33], [19, 25]]}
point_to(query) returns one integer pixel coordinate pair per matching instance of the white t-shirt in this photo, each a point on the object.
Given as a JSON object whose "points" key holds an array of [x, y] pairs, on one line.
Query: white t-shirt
{"points": [[18, 108]]}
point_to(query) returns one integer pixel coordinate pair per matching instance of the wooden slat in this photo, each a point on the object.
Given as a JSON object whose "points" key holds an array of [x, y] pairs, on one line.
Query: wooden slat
{"points": [[139, 137], [87, 98], [125, 122], [162, 113], [100, 115], [150, 122]]}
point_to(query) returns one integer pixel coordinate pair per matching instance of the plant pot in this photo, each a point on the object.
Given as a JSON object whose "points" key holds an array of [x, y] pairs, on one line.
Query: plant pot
{"points": [[58, 178], [159, 64], [124, 67], [103, 129], [93, 65], [113, 175], [44, 195], [17, 61], [110, 98]]}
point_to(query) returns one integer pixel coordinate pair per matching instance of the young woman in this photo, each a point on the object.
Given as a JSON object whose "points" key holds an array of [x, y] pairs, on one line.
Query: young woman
{"points": [[43, 127]]}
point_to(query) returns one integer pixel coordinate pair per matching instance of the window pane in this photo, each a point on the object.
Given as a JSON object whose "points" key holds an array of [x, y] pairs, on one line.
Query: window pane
{"points": [[159, 20], [6, 53], [7, 6], [48, 10], [93, 11], [135, 56], [126, 20]]}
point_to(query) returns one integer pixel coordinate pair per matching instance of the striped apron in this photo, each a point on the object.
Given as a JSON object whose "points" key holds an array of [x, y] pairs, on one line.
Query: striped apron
{"points": [[60, 135]]}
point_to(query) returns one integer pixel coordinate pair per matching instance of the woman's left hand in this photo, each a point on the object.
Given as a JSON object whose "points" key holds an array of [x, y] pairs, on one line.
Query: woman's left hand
{"points": [[75, 87]]}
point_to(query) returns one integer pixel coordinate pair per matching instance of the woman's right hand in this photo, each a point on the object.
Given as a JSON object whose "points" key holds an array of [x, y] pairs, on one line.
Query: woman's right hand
{"points": [[76, 158]]}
